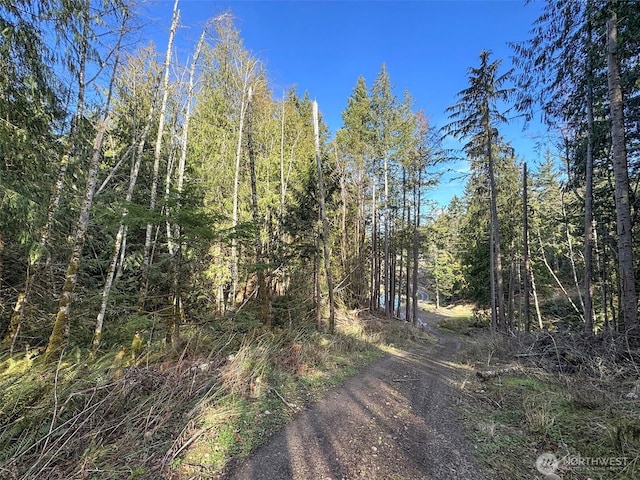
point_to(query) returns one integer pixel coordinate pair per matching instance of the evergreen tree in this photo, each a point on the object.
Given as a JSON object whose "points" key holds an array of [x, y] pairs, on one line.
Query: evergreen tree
{"points": [[354, 142], [475, 118], [563, 69]]}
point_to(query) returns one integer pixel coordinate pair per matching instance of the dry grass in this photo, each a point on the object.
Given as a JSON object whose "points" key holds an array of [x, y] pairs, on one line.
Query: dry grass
{"points": [[101, 419], [168, 413], [568, 397]]}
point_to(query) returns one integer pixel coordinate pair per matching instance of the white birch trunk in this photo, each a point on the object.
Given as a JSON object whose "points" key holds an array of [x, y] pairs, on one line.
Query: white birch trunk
{"points": [[121, 237], [146, 263], [555, 277], [236, 190], [61, 323]]}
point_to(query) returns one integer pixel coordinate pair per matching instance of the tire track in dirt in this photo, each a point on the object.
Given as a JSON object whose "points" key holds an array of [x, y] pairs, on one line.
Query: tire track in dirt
{"points": [[394, 420]]}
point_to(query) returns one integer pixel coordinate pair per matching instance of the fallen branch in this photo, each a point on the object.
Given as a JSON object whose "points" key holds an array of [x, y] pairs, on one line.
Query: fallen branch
{"points": [[487, 374], [170, 456], [290, 405], [405, 379]]}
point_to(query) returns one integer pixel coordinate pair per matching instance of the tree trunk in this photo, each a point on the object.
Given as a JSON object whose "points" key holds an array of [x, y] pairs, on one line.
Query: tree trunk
{"points": [[401, 279], [121, 236], [492, 281], [344, 257], [283, 187], [166, 208], [361, 236], [519, 324], [629, 300], [600, 268], [437, 285], [172, 321], [60, 326], [608, 294], [393, 279], [56, 340], [525, 250], [588, 196], [572, 258], [387, 272], [534, 291], [436, 282], [416, 251], [236, 190], [511, 296], [555, 277], [146, 263], [325, 225], [402, 243], [495, 238], [487, 374], [263, 295], [316, 277], [33, 268], [174, 238], [373, 300], [379, 258], [408, 310]]}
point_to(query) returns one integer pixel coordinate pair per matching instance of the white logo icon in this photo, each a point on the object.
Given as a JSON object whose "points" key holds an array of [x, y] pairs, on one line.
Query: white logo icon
{"points": [[547, 463]]}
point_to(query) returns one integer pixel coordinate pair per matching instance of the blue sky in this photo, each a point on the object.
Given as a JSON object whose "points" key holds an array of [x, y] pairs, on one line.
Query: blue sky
{"points": [[323, 46]]}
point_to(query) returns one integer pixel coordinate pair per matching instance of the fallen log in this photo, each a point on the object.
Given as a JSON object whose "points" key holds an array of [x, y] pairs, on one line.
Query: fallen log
{"points": [[487, 374]]}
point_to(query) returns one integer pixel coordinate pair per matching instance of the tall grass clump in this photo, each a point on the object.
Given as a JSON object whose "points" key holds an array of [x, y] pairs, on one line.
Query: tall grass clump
{"points": [[151, 410]]}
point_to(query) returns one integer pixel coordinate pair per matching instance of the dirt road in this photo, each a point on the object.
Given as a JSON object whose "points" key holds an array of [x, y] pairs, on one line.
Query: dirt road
{"points": [[393, 421]]}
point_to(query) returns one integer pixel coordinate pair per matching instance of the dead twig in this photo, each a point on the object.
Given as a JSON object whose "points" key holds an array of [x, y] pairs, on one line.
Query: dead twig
{"points": [[171, 456], [290, 405]]}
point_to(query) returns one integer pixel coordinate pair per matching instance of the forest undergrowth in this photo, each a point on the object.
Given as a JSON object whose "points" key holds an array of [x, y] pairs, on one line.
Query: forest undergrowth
{"points": [[562, 394], [150, 411]]}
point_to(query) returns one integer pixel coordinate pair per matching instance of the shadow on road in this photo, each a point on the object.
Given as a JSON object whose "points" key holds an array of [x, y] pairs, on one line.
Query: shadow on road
{"points": [[393, 420]]}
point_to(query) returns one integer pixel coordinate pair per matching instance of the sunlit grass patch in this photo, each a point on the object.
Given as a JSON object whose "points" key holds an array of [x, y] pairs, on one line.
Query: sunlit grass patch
{"points": [[269, 379], [462, 325]]}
